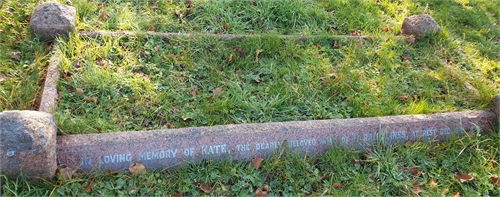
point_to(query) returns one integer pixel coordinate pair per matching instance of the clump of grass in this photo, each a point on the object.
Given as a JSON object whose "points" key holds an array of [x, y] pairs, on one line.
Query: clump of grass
{"points": [[414, 168]]}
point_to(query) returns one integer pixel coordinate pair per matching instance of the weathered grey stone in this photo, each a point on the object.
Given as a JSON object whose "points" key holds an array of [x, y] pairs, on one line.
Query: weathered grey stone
{"points": [[496, 107], [52, 19], [420, 25], [28, 144]]}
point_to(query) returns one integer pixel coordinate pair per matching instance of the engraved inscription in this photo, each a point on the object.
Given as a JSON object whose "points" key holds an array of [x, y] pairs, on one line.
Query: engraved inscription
{"points": [[115, 158], [243, 147], [214, 149], [162, 154], [444, 131], [397, 135], [267, 145], [299, 143]]}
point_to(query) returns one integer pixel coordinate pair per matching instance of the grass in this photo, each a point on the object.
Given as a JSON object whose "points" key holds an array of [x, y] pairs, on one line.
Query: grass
{"points": [[427, 169], [147, 82]]}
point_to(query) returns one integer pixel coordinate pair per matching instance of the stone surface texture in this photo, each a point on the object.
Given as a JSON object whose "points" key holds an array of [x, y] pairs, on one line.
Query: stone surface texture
{"points": [[159, 149], [49, 95], [496, 107], [28, 144], [52, 19], [420, 25]]}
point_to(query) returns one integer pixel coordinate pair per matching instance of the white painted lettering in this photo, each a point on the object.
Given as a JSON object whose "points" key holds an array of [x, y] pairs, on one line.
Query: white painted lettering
{"points": [[444, 131], [213, 149], [429, 133], [396, 135], [414, 134], [345, 140], [161, 154], [188, 152], [243, 147]]}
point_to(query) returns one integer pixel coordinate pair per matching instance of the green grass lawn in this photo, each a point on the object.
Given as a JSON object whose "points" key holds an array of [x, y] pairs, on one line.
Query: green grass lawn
{"points": [[148, 82]]}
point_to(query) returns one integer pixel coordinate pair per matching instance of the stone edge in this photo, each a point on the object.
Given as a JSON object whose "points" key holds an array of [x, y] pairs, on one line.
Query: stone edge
{"points": [[49, 96]]}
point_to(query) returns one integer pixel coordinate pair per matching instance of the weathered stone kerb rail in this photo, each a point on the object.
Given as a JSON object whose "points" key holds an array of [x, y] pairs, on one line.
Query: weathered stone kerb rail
{"points": [[165, 148]]}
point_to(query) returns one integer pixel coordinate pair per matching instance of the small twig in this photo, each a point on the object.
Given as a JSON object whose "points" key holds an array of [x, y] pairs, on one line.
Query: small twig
{"points": [[425, 9]]}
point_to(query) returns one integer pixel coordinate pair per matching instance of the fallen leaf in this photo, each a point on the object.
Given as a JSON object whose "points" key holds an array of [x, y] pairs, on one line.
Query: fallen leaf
{"points": [[323, 80], [205, 188], [337, 185], [154, 6], [75, 64], [359, 43], [405, 58], [257, 52], [47, 47], [194, 92], [230, 58], [354, 33], [416, 188], [152, 29], [2, 77], [79, 91], [91, 99], [402, 98], [217, 32], [495, 181], [445, 190], [463, 177], [336, 45], [101, 62], [89, 187], [15, 56], [178, 194], [337, 79], [408, 143], [432, 183], [227, 26], [100, 4], [240, 51], [65, 172], [410, 39], [218, 91], [413, 171], [260, 192], [323, 177], [103, 15], [179, 14], [258, 80], [457, 194], [405, 64], [295, 78], [256, 162], [386, 29], [137, 168], [189, 3]]}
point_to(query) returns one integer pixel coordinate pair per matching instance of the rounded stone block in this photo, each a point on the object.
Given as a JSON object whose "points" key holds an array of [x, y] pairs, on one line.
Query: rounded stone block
{"points": [[52, 19], [419, 25], [28, 144], [496, 107]]}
